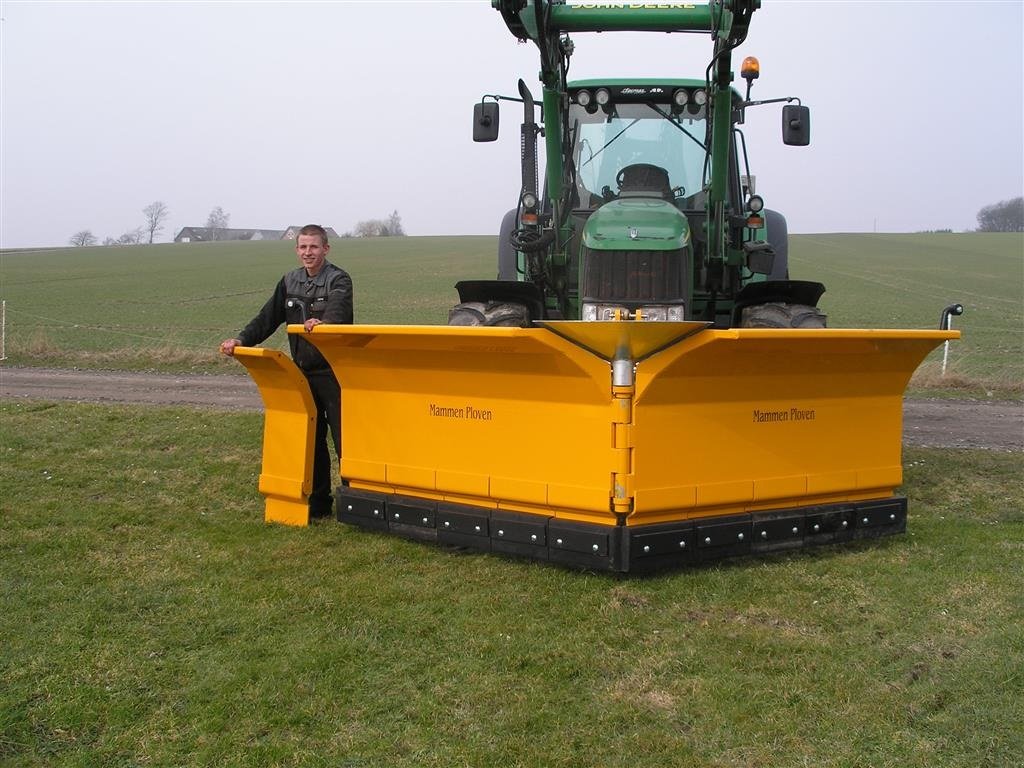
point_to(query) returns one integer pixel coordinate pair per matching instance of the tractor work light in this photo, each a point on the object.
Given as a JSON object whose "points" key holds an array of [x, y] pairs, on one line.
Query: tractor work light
{"points": [[529, 201], [680, 97], [583, 98], [700, 98], [755, 204], [602, 96]]}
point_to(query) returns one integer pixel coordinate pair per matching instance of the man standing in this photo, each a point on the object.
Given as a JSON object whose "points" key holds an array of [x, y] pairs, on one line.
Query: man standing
{"points": [[317, 292]]}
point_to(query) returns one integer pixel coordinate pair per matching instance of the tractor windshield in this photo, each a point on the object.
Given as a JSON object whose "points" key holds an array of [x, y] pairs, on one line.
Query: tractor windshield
{"points": [[636, 133]]}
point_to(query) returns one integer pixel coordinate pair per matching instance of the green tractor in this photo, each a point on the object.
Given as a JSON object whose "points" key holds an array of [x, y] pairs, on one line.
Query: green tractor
{"points": [[647, 210]]}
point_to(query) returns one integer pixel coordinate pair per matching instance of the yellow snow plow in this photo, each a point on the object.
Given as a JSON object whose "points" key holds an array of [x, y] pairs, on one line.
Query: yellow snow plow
{"points": [[619, 445]]}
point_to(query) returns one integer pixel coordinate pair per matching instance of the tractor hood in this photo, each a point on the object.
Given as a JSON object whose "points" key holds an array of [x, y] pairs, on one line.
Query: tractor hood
{"points": [[639, 223]]}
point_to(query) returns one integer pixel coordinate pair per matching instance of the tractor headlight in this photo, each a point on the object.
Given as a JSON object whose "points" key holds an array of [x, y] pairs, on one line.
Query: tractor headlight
{"points": [[602, 96], [663, 313], [583, 98], [604, 312], [655, 313], [529, 201], [680, 97], [700, 98], [755, 204]]}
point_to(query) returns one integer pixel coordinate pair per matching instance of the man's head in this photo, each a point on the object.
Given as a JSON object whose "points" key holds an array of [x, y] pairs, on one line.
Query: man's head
{"points": [[312, 248]]}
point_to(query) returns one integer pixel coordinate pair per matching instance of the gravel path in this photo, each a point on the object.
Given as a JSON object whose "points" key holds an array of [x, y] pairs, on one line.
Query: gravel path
{"points": [[935, 423]]}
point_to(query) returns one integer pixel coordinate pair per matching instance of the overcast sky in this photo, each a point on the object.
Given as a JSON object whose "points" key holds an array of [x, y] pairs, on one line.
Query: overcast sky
{"points": [[335, 112]]}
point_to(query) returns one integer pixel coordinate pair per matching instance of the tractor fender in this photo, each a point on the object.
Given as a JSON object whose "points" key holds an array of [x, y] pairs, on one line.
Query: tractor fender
{"points": [[779, 304], [508, 267], [777, 233], [497, 303]]}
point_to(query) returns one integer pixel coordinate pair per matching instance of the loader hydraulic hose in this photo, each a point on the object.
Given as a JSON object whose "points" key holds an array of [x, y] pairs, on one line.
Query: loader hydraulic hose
{"points": [[530, 241]]}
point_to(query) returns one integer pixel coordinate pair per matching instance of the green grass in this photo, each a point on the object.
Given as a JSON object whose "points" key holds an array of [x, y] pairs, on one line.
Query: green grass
{"points": [[167, 307], [904, 281], [149, 617]]}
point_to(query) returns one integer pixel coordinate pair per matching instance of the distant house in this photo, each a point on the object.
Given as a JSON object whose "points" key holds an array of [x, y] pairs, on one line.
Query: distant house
{"points": [[292, 232], [208, 235]]}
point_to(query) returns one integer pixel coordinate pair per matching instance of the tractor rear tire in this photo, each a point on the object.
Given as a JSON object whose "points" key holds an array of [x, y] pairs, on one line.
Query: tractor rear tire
{"points": [[778, 315], [499, 314]]}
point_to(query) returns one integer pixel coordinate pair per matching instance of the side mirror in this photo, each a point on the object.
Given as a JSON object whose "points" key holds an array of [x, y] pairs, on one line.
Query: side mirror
{"points": [[796, 125], [485, 121]]}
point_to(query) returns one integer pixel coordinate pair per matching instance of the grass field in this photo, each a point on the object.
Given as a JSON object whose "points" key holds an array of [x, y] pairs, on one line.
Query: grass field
{"points": [[148, 617], [166, 307]]}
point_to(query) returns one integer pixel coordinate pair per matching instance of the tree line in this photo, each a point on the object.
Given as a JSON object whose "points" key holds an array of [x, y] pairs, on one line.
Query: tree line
{"points": [[1005, 216], [155, 216]]}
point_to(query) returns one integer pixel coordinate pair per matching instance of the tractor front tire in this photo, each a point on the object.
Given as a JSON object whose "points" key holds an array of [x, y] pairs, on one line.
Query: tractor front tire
{"points": [[778, 315], [495, 314]]}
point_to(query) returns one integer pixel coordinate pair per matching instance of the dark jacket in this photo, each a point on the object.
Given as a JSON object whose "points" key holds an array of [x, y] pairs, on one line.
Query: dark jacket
{"points": [[298, 297]]}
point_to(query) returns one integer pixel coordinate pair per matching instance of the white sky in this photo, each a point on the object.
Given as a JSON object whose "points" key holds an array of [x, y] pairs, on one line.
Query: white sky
{"points": [[334, 112]]}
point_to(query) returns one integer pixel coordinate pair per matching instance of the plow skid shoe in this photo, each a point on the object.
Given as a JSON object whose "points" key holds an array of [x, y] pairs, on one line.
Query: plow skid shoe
{"points": [[544, 442]]}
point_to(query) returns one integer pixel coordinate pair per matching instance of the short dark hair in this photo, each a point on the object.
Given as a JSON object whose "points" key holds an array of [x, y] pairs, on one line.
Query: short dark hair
{"points": [[315, 229]]}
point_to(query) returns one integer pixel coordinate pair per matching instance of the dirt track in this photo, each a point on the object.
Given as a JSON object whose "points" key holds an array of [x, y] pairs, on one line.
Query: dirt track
{"points": [[934, 423]]}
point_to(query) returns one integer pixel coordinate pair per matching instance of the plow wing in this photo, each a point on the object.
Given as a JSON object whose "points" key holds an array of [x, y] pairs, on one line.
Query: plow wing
{"points": [[617, 445]]}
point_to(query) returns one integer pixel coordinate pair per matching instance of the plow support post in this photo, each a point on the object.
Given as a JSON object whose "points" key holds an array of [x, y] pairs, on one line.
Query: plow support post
{"points": [[289, 425]]}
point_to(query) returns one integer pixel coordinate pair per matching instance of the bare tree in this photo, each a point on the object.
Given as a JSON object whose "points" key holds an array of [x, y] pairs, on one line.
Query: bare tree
{"points": [[155, 213], [85, 237], [389, 227], [217, 220], [368, 228], [393, 228], [131, 237]]}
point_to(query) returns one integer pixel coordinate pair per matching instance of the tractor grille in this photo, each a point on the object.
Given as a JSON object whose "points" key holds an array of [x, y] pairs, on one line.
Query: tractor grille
{"points": [[634, 276]]}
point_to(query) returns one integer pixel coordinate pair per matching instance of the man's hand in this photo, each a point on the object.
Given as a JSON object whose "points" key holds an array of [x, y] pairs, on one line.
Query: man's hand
{"points": [[227, 347], [309, 324]]}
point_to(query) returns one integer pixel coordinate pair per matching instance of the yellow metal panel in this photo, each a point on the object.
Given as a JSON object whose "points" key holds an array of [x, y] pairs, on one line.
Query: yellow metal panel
{"points": [[831, 482], [463, 483], [672, 497], [421, 478], [716, 494], [520, 406], [289, 424], [269, 485], [577, 497], [880, 477], [770, 488], [475, 501], [756, 406], [370, 471], [518, 490], [285, 512]]}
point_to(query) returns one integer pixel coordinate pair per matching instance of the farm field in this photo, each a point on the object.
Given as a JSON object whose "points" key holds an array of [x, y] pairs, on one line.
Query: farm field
{"points": [[150, 618], [166, 307]]}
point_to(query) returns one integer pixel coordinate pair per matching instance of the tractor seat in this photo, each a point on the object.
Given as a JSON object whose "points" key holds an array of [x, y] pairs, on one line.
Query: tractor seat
{"points": [[644, 180]]}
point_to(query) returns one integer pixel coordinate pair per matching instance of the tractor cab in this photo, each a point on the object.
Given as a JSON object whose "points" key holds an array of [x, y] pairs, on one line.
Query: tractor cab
{"points": [[637, 140]]}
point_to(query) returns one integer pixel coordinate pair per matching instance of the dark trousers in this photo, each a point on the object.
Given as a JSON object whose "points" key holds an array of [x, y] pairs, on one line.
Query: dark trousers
{"points": [[327, 397]]}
